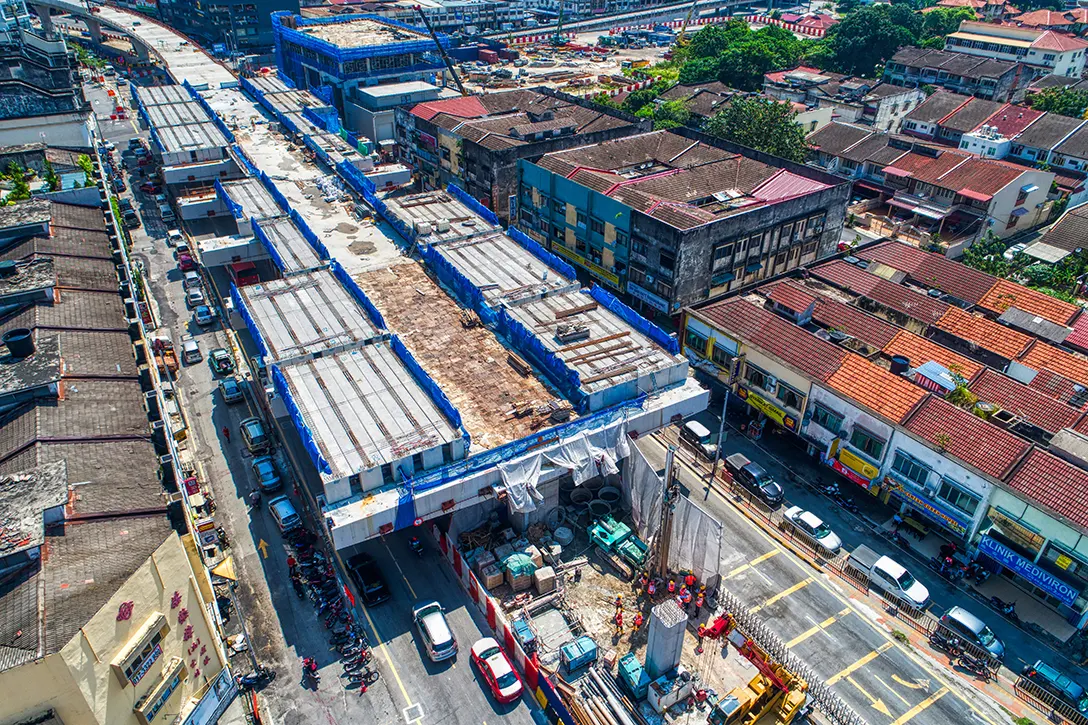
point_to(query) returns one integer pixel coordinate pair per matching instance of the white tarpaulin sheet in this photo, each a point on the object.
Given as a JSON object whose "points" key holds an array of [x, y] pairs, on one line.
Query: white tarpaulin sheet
{"points": [[586, 455], [696, 541], [645, 490]]}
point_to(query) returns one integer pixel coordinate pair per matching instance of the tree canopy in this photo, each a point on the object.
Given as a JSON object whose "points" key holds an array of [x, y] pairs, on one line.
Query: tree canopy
{"points": [[1063, 101], [738, 56], [866, 38], [762, 124]]}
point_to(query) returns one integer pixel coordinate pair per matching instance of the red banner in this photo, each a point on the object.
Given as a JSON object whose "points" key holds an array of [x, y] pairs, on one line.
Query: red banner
{"points": [[491, 613], [457, 561]]}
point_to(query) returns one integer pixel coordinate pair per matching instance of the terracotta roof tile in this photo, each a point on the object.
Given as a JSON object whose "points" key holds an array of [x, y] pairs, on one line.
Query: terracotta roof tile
{"points": [[1056, 484], [773, 335], [895, 254], [919, 350], [956, 279], [1078, 338], [792, 297], [466, 107], [901, 299], [987, 334], [1030, 405], [1042, 355], [1005, 294], [1051, 40], [847, 276], [877, 389], [871, 330], [971, 439], [1059, 387]]}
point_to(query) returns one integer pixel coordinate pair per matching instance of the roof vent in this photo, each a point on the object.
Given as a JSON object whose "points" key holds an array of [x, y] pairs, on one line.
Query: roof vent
{"points": [[20, 342]]}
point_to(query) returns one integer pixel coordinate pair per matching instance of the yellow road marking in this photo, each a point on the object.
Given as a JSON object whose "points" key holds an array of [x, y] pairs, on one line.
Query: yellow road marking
{"points": [[892, 690], [783, 594], [753, 562], [923, 685], [860, 663], [909, 714], [821, 626], [876, 703]]}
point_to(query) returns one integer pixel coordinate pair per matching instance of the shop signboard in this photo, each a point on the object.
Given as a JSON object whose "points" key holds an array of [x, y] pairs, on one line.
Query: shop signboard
{"points": [[1028, 570], [836, 464], [928, 508], [768, 408], [219, 694], [658, 303], [138, 675]]}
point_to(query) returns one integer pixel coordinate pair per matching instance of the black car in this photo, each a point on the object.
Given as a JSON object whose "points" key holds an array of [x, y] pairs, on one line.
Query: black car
{"points": [[369, 577]]}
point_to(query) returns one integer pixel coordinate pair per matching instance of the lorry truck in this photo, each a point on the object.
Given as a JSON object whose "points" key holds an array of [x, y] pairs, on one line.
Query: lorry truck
{"points": [[165, 356], [890, 576], [755, 479]]}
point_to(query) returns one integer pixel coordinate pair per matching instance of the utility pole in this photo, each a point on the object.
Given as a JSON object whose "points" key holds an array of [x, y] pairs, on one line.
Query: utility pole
{"points": [[718, 448], [661, 568]]}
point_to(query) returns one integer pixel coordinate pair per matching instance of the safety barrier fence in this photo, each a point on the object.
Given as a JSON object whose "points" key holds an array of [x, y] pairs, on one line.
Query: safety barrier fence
{"points": [[279, 382], [1056, 710], [269, 247], [337, 55], [609, 301], [251, 325], [277, 195], [247, 163], [477, 208], [309, 235], [535, 679], [450, 276], [356, 291], [212, 115], [538, 251], [236, 209], [792, 27], [431, 387], [311, 143]]}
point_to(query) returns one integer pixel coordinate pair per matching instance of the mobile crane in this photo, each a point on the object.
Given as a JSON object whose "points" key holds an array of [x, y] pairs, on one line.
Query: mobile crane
{"points": [[441, 50]]}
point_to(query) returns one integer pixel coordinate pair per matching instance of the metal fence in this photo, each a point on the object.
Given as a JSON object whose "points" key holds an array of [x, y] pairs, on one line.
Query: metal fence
{"points": [[1056, 710]]}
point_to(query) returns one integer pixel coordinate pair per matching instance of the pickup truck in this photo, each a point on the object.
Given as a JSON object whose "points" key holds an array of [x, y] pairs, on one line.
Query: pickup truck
{"points": [[165, 356], [755, 479], [889, 575]]}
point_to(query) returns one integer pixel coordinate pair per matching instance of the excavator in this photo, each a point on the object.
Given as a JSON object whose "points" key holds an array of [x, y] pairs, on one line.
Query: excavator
{"points": [[773, 696], [441, 50]]}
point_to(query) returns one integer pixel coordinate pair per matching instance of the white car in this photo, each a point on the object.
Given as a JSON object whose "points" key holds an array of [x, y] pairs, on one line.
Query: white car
{"points": [[814, 528], [194, 298], [174, 238], [437, 636], [894, 578]]}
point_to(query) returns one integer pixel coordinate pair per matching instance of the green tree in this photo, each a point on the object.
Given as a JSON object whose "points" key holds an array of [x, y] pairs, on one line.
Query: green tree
{"points": [[743, 64], [940, 22], [867, 37], [669, 114], [699, 70], [50, 177], [711, 40], [20, 189], [1064, 101], [762, 124], [85, 163]]}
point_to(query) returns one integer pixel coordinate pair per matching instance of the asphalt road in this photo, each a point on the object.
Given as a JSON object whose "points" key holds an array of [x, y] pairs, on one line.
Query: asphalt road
{"points": [[282, 628], [881, 679]]}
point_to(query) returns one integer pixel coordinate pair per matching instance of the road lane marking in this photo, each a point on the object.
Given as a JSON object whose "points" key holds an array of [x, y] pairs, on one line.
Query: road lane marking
{"points": [[860, 663], [875, 702], [752, 563], [782, 594], [263, 546], [916, 685], [891, 689], [909, 714], [403, 576], [818, 628]]}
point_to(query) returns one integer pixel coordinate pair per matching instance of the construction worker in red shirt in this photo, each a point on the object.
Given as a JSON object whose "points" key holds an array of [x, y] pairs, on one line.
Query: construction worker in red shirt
{"points": [[689, 580], [619, 621], [699, 601], [672, 586], [638, 622], [651, 588]]}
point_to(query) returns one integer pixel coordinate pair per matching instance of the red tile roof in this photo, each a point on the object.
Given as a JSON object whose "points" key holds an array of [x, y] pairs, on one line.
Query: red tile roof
{"points": [[1060, 42], [956, 279], [985, 333], [1079, 336], [901, 299], [1056, 386], [1011, 119], [967, 437], [845, 275], [895, 254], [889, 395], [1030, 405], [775, 336], [1005, 294], [1054, 483], [919, 350], [791, 296], [462, 107], [870, 330], [1043, 18], [1042, 355]]}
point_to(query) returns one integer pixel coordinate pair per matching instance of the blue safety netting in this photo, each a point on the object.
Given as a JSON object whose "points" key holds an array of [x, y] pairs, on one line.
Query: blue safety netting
{"points": [[530, 245], [430, 387], [468, 293], [356, 291], [324, 117], [323, 92], [288, 123], [236, 209], [251, 325], [262, 237], [427, 480], [406, 509], [529, 344], [350, 138], [355, 178], [155, 138], [311, 142], [286, 81], [279, 198], [250, 168], [607, 300], [309, 236], [258, 95], [280, 384], [296, 35], [473, 204], [212, 115]]}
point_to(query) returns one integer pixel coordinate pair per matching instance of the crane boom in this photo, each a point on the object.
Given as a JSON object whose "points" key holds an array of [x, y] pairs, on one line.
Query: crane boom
{"points": [[684, 25], [557, 39], [441, 50]]}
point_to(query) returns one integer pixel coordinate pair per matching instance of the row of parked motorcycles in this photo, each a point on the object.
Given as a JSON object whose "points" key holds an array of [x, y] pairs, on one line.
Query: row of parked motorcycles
{"points": [[977, 665]]}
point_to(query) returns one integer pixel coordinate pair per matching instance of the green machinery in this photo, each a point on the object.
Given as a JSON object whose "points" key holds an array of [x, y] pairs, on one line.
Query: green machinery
{"points": [[616, 537]]}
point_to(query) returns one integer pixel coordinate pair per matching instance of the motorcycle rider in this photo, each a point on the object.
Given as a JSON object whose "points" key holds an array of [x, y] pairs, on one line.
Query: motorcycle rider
{"points": [[416, 545]]}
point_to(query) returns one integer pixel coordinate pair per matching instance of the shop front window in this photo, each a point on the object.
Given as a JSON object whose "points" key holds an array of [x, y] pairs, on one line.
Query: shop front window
{"points": [[952, 494], [826, 419], [755, 376], [1018, 537], [910, 469], [696, 343], [867, 443], [790, 397]]}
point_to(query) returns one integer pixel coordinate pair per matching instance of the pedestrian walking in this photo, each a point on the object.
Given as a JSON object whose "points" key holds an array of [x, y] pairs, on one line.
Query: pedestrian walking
{"points": [[291, 564], [226, 433]]}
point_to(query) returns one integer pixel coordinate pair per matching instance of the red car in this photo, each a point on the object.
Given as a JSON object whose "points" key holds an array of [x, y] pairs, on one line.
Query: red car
{"points": [[186, 263], [148, 188], [497, 669]]}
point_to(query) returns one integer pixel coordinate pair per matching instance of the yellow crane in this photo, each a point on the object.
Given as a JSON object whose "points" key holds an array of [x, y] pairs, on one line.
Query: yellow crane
{"points": [[684, 25]]}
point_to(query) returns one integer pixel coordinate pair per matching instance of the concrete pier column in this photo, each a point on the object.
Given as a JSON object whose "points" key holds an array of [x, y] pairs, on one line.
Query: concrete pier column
{"points": [[45, 17], [141, 51], [95, 29]]}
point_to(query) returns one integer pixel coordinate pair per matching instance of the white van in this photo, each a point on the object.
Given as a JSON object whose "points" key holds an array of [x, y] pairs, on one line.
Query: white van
{"points": [[696, 435], [192, 280]]}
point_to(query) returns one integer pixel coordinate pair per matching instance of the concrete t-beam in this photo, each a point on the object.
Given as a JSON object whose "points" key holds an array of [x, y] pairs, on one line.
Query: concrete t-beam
{"points": [[45, 18], [95, 29], [141, 51]]}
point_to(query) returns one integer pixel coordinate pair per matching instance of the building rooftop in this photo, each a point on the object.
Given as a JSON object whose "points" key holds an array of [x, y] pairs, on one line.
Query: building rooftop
{"points": [[1042, 356], [163, 95], [365, 409], [431, 209], [25, 499], [34, 275], [502, 269], [970, 115], [920, 350], [296, 253], [1076, 144], [901, 299], [967, 437], [249, 199], [1027, 404], [887, 394], [834, 314], [1035, 325], [676, 180], [305, 315], [1055, 483], [360, 33], [775, 336], [193, 137], [985, 333], [176, 114], [595, 343], [1068, 235]]}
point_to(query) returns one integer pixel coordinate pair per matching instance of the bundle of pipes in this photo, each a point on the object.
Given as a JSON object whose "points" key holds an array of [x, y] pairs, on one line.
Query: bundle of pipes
{"points": [[597, 700]]}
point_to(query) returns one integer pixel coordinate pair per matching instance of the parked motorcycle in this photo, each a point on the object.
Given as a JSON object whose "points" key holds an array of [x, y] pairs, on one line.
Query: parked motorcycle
{"points": [[1006, 608], [948, 645], [309, 671], [977, 666], [846, 504], [257, 679], [365, 676]]}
